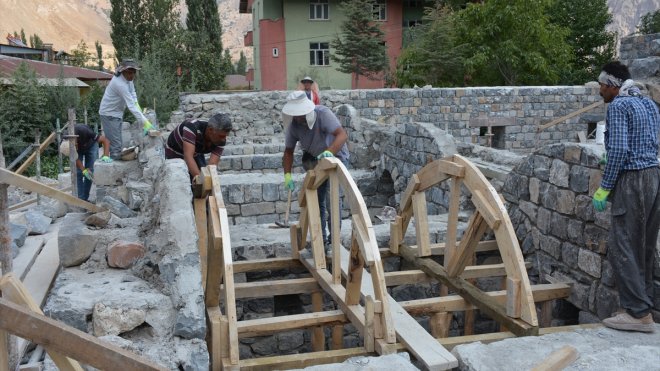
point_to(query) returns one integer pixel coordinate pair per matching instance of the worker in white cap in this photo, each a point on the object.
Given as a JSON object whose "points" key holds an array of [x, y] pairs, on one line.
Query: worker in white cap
{"points": [[311, 89]]}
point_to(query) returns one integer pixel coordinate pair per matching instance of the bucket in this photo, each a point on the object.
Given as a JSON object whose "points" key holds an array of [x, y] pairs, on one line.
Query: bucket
{"points": [[600, 132]]}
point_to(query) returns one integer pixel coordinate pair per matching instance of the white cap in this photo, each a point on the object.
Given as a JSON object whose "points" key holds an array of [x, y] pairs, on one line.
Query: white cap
{"points": [[298, 104], [64, 147]]}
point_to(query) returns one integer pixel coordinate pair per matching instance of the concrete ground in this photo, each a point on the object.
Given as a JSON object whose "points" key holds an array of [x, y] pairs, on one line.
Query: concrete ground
{"points": [[598, 349]]}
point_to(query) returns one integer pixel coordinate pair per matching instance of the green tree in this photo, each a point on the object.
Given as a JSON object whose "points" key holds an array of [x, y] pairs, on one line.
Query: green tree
{"points": [[23, 108], [137, 24], [512, 42], [99, 55], [360, 46], [157, 83], [61, 97], [229, 65], [434, 55], [592, 44], [203, 17], [241, 66], [649, 23], [23, 38], [36, 42], [80, 55]]}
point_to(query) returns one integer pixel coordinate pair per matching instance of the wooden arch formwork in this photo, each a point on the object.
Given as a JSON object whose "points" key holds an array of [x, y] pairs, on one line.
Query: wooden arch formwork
{"points": [[516, 309]]}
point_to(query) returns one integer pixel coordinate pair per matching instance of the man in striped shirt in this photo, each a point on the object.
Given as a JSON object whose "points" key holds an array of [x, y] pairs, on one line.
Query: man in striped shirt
{"points": [[192, 139], [632, 176]]}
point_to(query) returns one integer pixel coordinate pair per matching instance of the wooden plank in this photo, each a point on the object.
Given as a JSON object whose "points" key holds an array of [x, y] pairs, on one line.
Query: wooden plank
{"points": [[265, 265], [229, 291], [558, 360], [513, 297], [4, 351], [268, 326], [483, 301], [406, 198], [318, 337], [452, 219], [421, 224], [415, 276], [354, 272], [408, 330], [20, 181], [214, 256], [440, 249], [438, 171], [295, 361], [13, 290], [395, 235], [69, 341], [486, 211], [268, 289], [27, 254], [42, 274], [456, 303], [294, 236], [337, 337], [582, 137], [440, 323], [49, 139], [199, 206], [369, 330], [214, 337], [314, 220], [475, 230], [30, 201], [570, 115], [335, 232]]}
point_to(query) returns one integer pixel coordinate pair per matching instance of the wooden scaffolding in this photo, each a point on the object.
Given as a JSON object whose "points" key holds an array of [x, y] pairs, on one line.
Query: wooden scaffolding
{"points": [[356, 280]]}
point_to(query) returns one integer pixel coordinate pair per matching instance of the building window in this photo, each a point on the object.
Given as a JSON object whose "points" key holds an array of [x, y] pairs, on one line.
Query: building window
{"points": [[319, 54], [276, 52], [413, 3], [318, 9], [380, 10]]}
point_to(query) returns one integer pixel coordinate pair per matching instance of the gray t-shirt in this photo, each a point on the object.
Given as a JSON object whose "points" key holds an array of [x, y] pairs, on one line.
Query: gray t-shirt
{"points": [[319, 138]]}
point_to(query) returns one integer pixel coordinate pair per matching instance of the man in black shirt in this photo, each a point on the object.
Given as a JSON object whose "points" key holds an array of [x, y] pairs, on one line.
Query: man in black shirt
{"points": [[87, 146]]}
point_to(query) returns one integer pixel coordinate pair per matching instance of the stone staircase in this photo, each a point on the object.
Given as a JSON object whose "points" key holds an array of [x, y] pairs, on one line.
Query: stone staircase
{"points": [[253, 183]]}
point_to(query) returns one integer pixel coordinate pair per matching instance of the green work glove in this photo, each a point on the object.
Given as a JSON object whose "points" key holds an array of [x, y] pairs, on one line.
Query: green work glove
{"points": [[600, 199], [603, 159], [146, 127], [288, 182], [88, 174], [106, 159], [325, 153]]}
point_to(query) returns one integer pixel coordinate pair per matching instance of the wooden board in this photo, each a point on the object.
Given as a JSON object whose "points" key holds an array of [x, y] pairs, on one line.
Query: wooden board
{"points": [[558, 360], [268, 326], [408, 331], [266, 264], [69, 341], [268, 289], [27, 254], [572, 114], [20, 181], [483, 301]]}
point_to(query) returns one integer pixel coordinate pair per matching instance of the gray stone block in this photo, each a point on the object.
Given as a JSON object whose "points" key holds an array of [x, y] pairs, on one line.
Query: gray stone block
{"points": [[114, 173], [75, 241], [117, 207], [589, 262]]}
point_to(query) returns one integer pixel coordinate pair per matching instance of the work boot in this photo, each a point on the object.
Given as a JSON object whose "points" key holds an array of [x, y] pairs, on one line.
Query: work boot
{"points": [[624, 321]]}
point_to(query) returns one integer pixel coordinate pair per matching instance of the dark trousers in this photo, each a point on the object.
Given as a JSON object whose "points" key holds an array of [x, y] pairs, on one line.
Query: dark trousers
{"points": [[88, 158], [633, 237], [324, 208]]}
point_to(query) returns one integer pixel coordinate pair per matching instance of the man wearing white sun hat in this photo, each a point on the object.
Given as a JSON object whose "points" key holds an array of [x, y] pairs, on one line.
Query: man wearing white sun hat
{"points": [[320, 134]]}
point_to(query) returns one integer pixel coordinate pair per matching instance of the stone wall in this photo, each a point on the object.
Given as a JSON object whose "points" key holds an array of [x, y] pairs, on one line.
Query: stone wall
{"points": [[549, 201], [514, 112], [640, 46]]}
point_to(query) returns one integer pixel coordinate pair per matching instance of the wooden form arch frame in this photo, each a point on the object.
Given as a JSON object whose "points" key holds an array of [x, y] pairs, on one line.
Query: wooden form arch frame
{"points": [[518, 313]]}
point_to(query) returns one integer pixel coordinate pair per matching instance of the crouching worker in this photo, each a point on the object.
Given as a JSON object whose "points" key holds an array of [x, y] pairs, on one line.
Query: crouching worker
{"points": [[87, 146], [192, 139]]}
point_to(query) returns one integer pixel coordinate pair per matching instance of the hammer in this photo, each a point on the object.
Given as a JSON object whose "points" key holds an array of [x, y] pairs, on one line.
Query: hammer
{"points": [[286, 215]]}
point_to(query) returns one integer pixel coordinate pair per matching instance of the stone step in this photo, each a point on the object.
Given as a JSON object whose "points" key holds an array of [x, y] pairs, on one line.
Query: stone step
{"points": [[253, 148], [257, 163], [261, 198]]}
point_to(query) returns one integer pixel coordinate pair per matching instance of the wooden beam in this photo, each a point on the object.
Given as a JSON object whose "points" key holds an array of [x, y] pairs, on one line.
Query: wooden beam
{"points": [[466, 249], [199, 206], [268, 289], [437, 172], [214, 257], [483, 301], [456, 303], [69, 341], [558, 360], [214, 338], [314, 220], [487, 212], [570, 115], [20, 181], [318, 337], [296, 361], [268, 326], [421, 224], [439, 248], [415, 276], [266, 265]]}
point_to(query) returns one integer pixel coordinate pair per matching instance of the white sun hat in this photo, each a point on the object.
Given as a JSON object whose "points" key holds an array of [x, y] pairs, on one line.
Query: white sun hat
{"points": [[64, 148], [297, 104]]}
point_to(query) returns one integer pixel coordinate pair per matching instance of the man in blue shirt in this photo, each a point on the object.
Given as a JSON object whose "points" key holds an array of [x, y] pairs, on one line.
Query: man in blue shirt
{"points": [[632, 176]]}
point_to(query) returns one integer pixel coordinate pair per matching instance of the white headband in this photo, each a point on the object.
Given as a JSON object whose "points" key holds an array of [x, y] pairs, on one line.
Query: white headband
{"points": [[607, 79]]}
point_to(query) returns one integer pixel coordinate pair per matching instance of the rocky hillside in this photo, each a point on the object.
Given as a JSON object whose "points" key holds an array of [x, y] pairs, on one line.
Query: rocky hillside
{"points": [[65, 22]]}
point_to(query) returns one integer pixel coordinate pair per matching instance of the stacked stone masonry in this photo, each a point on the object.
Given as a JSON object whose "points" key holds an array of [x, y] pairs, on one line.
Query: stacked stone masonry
{"points": [[550, 204]]}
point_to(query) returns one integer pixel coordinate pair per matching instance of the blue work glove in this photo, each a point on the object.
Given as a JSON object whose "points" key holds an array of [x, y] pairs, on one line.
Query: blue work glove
{"points": [[88, 174], [146, 127], [600, 199], [325, 153], [106, 159], [603, 159], [288, 182]]}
